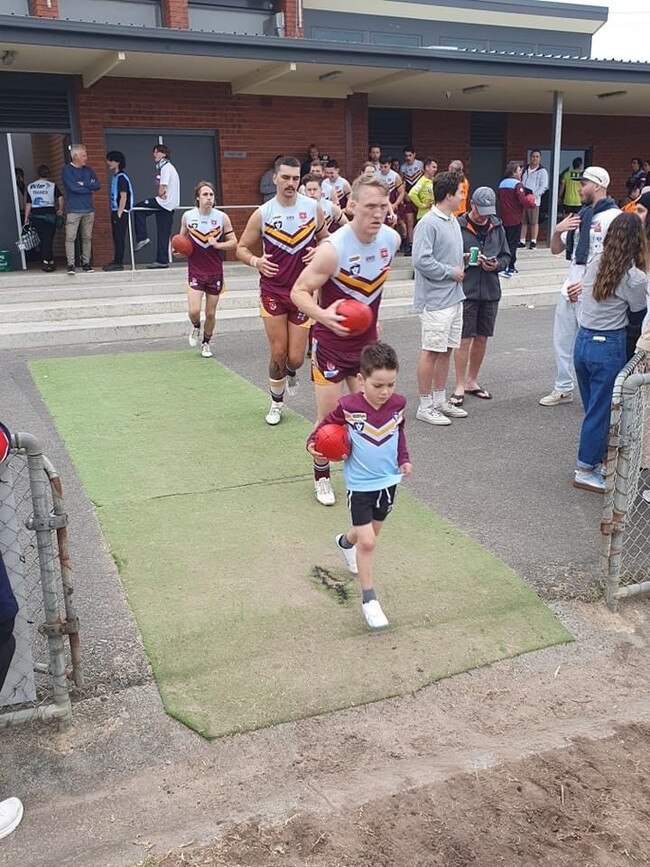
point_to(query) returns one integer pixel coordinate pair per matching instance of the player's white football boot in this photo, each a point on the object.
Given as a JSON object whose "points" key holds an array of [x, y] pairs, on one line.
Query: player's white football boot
{"points": [[274, 415], [193, 338], [206, 352]]}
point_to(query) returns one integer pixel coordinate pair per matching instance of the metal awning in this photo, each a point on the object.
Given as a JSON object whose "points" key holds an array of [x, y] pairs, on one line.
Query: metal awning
{"points": [[456, 80]]}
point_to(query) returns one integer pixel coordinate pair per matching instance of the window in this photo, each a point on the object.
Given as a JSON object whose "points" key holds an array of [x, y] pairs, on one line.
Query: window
{"points": [[396, 39], [327, 34]]}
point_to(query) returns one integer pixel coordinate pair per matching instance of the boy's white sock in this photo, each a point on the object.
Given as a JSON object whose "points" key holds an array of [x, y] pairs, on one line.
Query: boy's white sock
{"points": [[438, 398], [425, 401]]}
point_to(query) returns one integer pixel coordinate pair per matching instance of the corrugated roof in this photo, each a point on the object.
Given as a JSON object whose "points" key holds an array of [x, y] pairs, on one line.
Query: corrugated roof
{"points": [[535, 56]]}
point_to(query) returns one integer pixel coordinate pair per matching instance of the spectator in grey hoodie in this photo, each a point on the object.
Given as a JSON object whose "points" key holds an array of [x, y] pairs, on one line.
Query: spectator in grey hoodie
{"points": [[439, 272]]}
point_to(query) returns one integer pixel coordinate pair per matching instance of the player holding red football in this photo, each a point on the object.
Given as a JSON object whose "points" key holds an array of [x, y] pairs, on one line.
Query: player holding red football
{"points": [[374, 419], [211, 232], [352, 263]]}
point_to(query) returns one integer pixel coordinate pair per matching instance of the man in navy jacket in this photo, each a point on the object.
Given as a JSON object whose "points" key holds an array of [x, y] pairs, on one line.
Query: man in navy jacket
{"points": [[79, 184]]}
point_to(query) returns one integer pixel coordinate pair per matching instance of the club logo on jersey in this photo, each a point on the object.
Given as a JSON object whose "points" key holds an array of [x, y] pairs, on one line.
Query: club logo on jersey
{"points": [[370, 258], [355, 270], [303, 215], [277, 224], [214, 222], [359, 426], [331, 370], [384, 253], [194, 224]]}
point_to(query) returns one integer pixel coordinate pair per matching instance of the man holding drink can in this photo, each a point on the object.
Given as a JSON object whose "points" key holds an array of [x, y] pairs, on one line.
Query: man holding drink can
{"points": [[487, 252]]}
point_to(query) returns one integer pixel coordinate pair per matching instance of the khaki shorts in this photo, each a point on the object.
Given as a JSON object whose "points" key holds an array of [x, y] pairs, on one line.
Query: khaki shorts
{"points": [[442, 329], [530, 216]]}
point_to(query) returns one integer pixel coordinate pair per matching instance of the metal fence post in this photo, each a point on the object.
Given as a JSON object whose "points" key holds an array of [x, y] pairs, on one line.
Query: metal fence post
{"points": [[42, 524]]}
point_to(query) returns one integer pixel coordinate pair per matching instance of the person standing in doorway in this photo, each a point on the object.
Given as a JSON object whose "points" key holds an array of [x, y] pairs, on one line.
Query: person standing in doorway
{"points": [[79, 184], [513, 200], [44, 205], [535, 179], [162, 205], [121, 203], [570, 187]]}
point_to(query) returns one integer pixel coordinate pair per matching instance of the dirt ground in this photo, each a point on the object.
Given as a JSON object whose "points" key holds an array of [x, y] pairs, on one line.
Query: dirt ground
{"points": [[584, 806]]}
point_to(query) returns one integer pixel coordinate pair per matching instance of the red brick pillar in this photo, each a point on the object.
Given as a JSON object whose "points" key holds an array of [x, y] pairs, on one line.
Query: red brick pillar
{"points": [[356, 133], [292, 10], [175, 13], [44, 8]]}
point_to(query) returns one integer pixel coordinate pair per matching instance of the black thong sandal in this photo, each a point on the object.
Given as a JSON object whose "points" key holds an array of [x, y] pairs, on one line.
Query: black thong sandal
{"points": [[456, 399], [483, 393]]}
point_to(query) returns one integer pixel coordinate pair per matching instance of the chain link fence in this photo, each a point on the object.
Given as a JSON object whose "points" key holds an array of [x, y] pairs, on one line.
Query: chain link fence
{"points": [[626, 513], [34, 546]]}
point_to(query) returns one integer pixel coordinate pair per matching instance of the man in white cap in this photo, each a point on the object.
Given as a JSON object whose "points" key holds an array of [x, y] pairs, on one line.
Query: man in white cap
{"points": [[581, 235]]}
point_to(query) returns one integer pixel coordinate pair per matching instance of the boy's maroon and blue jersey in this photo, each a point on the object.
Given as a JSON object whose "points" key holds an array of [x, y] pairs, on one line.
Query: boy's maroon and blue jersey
{"points": [[361, 273], [378, 441]]}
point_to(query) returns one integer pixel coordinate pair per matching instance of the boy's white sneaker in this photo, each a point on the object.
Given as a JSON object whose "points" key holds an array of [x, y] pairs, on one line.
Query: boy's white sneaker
{"points": [[375, 617], [350, 554], [11, 814], [193, 338], [274, 415], [323, 492], [206, 352]]}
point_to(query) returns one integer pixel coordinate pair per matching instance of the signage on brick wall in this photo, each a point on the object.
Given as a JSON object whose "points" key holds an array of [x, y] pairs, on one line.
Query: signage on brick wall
{"points": [[235, 155]]}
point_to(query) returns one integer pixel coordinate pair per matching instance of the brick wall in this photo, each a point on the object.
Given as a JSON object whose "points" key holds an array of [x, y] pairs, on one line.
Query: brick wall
{"points": [[44, 9], [261, 126], [291, 22], [614, 140], [175, 13], [443, 135]]}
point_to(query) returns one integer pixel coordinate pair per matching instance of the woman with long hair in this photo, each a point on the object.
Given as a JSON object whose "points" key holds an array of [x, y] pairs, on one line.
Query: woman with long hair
{"points": [[614, 283]]}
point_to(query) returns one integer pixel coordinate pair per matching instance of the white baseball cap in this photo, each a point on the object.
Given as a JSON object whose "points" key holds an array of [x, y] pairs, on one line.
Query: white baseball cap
{"points": [[596, 175]]}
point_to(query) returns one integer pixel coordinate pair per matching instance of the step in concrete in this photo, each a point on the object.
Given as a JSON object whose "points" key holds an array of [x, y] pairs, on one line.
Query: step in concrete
{"points": [[105, 307]]}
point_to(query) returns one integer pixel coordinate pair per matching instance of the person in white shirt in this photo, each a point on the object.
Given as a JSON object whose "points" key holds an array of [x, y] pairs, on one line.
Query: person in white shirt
{"points": [[582, 236], [168, 198], [535, 179]]}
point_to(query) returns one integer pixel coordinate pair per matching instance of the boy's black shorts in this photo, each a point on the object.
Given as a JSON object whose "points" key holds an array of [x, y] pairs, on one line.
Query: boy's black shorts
{"points": [[368, 506]]}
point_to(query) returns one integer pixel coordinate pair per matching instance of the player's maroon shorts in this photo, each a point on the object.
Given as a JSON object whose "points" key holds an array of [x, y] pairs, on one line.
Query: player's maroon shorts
{"points": [[325, 371], [407, 207], [275, 305], [210, 285]]}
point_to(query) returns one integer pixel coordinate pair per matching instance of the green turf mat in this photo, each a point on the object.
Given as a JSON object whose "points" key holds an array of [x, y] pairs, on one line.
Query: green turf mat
{"points": [[217, 560]]}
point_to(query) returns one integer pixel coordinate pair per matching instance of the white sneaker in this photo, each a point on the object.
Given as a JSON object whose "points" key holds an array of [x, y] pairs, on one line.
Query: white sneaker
{"points": [[11, 814], [350, 554], [375, 617], [323, 492], [193, 339], [451, 411], [430, 415], [292, 385], [206, 352], [274, 415], [557, 397]]}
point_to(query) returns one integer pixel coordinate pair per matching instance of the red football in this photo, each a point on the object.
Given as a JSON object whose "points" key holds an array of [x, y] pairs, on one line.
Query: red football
{"points": [[333, 442], [357, 316], [183, 245]]}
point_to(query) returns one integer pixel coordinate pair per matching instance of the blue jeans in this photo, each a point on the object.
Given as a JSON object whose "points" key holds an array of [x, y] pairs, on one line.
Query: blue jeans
{"points": [[598, 356]]}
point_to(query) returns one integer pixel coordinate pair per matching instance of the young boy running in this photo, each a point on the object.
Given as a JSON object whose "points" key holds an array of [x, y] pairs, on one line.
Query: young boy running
{"points": [[212, 234], [379, 458]]}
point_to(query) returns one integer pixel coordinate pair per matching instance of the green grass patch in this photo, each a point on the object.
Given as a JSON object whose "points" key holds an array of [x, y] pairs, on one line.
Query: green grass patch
{"points": [[228, 561]]}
